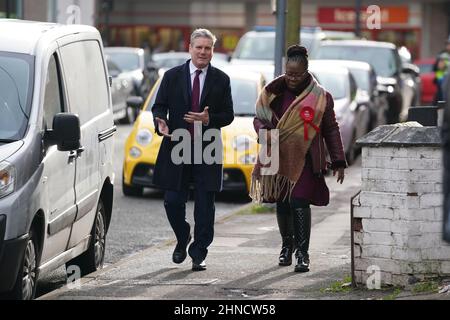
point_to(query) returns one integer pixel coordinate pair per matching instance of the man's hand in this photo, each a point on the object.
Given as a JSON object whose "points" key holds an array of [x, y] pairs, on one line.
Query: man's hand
{"points": [[191, 117], [340, 172], [162, 127]]}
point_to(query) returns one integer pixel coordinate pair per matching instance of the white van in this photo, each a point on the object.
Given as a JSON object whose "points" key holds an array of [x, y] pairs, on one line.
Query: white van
{"points": [[56, 144]]}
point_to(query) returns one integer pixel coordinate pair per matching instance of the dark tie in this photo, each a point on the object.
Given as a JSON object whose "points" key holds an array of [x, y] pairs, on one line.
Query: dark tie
{"points": [[195, 102]]}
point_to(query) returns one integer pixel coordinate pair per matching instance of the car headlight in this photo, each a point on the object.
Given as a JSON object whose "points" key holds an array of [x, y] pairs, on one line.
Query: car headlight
{"points": [[144, 137], [135, 152], [248, 159], [242, 142], [390, 89], [7, 178]]}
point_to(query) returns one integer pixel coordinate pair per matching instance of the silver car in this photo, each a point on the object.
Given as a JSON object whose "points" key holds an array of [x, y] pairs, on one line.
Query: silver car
{"points": [[385, 59], [121, 89], [138, 63], [371, 94], [342, 86]]}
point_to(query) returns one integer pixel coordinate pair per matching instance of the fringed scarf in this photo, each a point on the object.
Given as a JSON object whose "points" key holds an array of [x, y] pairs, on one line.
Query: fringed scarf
{"points": [[295, 137]]}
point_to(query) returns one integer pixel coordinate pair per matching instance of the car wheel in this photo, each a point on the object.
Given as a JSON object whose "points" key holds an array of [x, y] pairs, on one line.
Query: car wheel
{"points": [[26, 281], [132, 191], [92, 259], [130, 116]]}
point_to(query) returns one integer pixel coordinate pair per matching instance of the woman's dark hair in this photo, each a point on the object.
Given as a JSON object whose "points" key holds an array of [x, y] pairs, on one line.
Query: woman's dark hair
{"points": [[297, 53]]}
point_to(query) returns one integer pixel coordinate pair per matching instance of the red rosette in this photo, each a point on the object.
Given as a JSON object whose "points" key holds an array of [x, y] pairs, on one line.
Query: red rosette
{"points": [[307, 114]]}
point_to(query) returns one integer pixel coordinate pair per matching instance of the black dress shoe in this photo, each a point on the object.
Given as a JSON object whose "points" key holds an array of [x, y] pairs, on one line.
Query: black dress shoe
{"points": [[285, 258], [179, 254], [302, 262], [198, 266]]}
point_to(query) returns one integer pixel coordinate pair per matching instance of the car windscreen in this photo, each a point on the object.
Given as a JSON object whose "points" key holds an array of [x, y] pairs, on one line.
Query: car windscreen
{"points": [[382, 59], [16, 82], [244, 93], [262, 47], [335, 83], [124, 60], [169, 62]]}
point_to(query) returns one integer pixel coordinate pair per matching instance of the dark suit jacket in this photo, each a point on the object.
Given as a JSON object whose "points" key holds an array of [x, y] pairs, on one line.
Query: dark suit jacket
{"points": [[174, 100]]}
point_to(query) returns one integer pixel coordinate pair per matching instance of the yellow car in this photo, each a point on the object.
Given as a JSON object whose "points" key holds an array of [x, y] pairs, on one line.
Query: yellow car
{"points": [[239, 139]]}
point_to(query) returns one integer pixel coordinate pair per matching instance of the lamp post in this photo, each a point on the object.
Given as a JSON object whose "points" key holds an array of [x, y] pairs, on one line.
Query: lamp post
{"points": [[280, 36], [293, 22], [358, 18], [107, 6], [8, 9]]}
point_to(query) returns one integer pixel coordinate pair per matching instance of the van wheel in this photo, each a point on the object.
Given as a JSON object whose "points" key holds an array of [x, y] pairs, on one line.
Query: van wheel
{"points": [[26, 281], [92, 259], [132, 191]]}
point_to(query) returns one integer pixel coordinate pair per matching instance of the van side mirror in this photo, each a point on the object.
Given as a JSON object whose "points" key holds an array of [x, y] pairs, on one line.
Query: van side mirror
{"points": [[66, 132], [135, 102]]}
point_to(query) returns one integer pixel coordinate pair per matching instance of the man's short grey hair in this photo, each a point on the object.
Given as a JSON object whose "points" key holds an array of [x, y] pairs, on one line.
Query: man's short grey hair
{"points": [[203, 33]]}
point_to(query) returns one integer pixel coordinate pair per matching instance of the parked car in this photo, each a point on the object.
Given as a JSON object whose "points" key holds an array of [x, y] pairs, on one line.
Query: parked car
{"points": [[56, 173], [403, 91], [239, 139], [427, 76], [167, 60], [411, 78], [121, 89], [370, 93], [351, 117], [140, 65], [255, 50]]}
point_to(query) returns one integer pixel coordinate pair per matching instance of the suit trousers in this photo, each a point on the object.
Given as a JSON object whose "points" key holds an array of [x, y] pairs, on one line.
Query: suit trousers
{"points": [[204, 212]]}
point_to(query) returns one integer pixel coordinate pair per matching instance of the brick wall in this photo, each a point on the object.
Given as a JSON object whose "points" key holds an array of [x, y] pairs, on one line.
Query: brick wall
{"points": [[399, 214]]}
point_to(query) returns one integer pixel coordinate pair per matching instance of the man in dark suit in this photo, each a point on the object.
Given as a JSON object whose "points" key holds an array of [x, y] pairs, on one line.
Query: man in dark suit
{"points": [[193, 93]]}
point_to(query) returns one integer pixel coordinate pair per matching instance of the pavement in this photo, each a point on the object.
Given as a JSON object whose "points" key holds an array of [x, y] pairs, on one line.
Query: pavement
{"points": [[242, 263]]}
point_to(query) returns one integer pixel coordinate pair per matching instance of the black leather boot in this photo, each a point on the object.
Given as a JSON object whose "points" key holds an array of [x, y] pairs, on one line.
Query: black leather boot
{"points": [[302, 231], [286, 227]]}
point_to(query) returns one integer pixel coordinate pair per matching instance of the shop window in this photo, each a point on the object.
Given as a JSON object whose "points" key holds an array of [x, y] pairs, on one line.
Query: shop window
{"points": [[9, 8]]}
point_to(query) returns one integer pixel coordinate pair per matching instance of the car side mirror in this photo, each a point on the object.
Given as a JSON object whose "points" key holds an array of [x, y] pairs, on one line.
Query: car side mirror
{"points": [[135, 102], [410, 69], [66, 132], [114, 73]]}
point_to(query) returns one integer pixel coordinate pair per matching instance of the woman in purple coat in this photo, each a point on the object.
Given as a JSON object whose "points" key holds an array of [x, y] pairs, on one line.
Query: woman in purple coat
{"points": [[302, 112]]}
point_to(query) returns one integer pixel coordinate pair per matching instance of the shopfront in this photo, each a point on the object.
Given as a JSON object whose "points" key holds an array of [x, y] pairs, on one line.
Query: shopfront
{"points": [[11, 8], [167, 26], [397, 24], [419, 25]]}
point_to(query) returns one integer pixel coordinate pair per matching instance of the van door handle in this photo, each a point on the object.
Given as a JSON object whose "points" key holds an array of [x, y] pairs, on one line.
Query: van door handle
{"points": [[80, 151], [72, 156]]}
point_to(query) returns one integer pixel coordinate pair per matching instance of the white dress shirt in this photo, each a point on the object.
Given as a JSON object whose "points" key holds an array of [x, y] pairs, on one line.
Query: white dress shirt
{"points": [[202, 76]]}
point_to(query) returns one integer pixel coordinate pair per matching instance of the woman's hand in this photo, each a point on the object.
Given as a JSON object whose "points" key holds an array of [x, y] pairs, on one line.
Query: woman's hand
{"points": [[341, 174]]}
